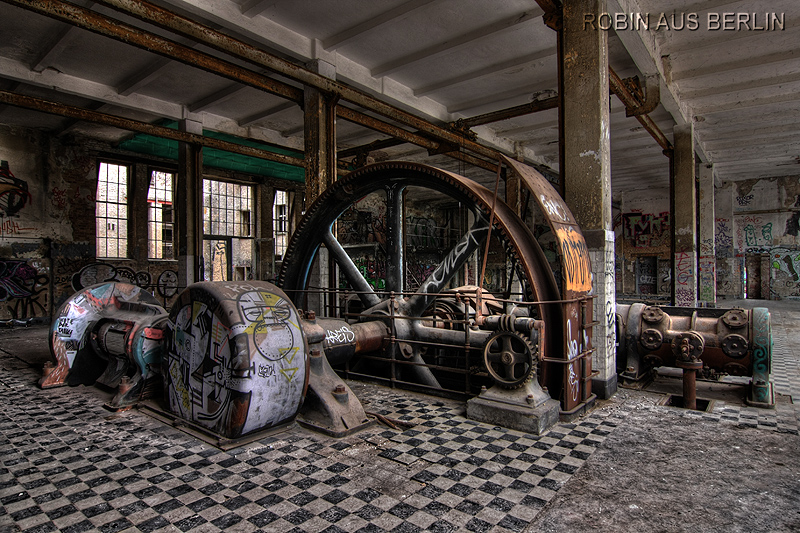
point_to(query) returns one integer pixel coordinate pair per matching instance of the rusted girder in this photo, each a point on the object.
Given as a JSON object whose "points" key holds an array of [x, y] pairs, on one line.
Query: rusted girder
{"points": [[225, 43], [55, 108], [516, 111], [365, 120], [631, 102], [108, 27]]}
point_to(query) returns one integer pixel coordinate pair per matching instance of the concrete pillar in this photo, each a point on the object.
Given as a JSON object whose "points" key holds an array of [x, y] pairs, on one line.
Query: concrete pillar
{"points": [[684, 217], [265, 238], [587, 170], [188, 207], [728, 276], [708, 257]]}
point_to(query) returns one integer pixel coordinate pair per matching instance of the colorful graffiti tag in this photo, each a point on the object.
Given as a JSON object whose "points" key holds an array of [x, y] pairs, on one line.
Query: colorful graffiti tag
{"points": [[23, 287], [236, 361], [14, 193], [645, 230]]}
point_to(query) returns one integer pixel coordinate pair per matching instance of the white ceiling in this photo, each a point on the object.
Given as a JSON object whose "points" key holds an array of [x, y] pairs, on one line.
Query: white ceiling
{"points": [[443, 60]]}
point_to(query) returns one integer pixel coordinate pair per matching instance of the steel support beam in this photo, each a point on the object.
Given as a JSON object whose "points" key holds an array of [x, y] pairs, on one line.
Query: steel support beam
{"points": [[55, 108], [220, 41]]}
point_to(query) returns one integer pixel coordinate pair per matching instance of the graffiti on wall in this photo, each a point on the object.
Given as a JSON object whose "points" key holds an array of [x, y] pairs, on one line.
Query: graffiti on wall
{"points": [[94, 273], [14, 194], [785, 278], [723, 237], [684, 279], [753, 231], [425, 233], [166, 285], [24, 288], [646, 230], [708, 278], [359, 226]]}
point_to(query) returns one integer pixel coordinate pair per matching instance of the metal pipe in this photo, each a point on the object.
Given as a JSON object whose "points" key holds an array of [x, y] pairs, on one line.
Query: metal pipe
{"points": [[689, 388], [55, 108], [631, 103]]}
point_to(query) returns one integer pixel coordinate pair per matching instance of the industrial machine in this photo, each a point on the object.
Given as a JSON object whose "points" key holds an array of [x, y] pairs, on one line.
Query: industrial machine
{"points": [[233, 358], [704, 342]]}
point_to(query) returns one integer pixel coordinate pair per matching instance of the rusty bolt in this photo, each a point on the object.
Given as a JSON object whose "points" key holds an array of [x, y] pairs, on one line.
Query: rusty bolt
{"points": [[311, 315], [339, 389], [315, 353]]}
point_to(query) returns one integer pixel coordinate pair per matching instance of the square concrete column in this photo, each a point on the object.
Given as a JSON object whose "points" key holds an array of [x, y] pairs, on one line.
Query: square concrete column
{"points": [[684, 234], [188, 207], [708, 257], [587, 170]]}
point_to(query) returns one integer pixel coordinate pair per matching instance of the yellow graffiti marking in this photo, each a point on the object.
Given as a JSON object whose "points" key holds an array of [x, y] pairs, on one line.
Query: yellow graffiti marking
{"points": [[180, 387], [289, 373], [293, 352]]}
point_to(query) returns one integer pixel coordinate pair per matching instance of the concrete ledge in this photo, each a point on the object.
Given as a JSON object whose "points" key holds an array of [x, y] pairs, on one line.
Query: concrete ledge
{"points": [[605, 389]]}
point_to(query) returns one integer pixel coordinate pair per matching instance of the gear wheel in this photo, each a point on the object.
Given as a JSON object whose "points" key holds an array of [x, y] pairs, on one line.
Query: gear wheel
{"points": [[509, 358]]}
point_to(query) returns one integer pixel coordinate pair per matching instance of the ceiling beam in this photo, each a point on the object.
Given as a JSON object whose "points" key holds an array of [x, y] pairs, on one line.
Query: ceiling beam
{"points": [[737, 65], [345, 36], [225, 43], [219, 97], [461, 41], [258, 117], [55, 108], [544, 56], [251, 8]]}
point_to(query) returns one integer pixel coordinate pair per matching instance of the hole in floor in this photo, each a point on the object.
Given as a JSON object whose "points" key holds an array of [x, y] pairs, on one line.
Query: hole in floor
{"points": [[674, 400]]}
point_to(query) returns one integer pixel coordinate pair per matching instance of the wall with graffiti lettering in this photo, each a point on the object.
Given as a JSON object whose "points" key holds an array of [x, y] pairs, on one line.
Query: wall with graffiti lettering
{"points": [[766, 224], [47, 228], [643, 237]]}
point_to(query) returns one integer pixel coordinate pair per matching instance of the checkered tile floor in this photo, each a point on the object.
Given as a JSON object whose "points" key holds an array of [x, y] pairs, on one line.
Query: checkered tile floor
{"points": [[67, 464]]}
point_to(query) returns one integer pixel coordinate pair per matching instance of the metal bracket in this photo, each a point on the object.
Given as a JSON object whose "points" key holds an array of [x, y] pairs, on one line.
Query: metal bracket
{"points": [[330, 406]]}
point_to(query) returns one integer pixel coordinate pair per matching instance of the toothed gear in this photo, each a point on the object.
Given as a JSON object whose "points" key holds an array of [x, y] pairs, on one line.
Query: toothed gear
{"points": [[510, 359]]}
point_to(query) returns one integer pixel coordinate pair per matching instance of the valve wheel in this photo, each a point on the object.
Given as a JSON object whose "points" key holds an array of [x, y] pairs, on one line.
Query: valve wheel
{"points": [[509, 359]]}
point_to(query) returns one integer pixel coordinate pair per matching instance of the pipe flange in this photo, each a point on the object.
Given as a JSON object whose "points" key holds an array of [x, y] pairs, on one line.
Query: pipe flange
{"points": [[735, 346], [688, 346], [652, 314], [735, 318], [509, 359], [652, 339]]}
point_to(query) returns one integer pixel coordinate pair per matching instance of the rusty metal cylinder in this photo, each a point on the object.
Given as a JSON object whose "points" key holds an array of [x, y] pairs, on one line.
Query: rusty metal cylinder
{"points": [[343, 340]]}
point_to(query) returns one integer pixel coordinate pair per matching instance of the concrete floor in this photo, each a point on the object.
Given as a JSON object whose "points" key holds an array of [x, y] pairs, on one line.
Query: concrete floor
{"points": [[67, 464]]}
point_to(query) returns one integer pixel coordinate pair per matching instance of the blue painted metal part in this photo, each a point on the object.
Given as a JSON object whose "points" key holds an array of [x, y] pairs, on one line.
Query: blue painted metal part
{"points": [[761, 391]]}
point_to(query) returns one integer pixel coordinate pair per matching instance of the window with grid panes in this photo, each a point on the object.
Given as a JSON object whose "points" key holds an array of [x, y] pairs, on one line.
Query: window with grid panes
{"points": [[159, 216], [280, 223], [111, 211], [227, 230]]}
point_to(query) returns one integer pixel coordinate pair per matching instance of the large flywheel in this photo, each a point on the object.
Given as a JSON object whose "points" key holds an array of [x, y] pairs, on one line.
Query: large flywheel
{"points": [[395, 181]]}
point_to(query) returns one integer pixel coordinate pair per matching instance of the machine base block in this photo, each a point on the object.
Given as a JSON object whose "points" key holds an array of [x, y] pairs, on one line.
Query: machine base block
{"points": [[513, 414]]}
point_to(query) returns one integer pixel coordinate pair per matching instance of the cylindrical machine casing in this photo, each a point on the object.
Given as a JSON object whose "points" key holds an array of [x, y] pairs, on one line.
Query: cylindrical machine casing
{"points": [[236, 360]]}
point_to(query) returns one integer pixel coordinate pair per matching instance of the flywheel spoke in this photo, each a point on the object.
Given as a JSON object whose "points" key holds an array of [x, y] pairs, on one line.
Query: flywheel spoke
{"points": [[450, 266], [350, 271]]}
